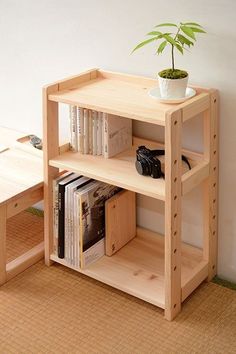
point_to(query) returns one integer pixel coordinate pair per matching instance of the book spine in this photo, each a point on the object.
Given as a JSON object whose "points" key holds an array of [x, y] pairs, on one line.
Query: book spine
{"points": [[99, 134], [76, 230], [61, 222], [73, 128], [90, 132], [66, 229], [95, 120], [105, 135], [102, 118], [86, 132], [55, 216], [81, 129]]}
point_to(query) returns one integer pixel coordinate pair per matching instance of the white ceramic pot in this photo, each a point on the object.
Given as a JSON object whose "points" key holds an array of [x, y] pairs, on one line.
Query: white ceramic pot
{"points": [[172, 88]]}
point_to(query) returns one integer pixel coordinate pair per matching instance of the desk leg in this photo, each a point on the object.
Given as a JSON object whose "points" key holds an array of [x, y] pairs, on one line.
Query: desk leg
{"points": [[3, 225]]}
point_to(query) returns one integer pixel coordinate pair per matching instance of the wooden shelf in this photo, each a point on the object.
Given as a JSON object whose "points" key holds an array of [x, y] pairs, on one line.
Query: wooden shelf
{"points": [[138, 268], [123, 95], [162, 271], [120, 170]]}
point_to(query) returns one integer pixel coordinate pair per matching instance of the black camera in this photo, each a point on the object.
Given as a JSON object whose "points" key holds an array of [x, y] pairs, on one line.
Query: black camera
{"points": [[148, 164]]}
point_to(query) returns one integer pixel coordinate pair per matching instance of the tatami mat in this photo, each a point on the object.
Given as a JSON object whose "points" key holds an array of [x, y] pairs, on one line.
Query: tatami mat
{"points": [[24, 231], [56, 310]]}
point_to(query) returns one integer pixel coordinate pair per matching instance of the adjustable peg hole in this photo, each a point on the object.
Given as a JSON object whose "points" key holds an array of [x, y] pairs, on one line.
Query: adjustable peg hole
{"points": [[16, 205], [175, 233], [175, 162], [214, 152], [214, 136], [214, 168], [214, 200], [175, 215], [214, 233], [214, 184], [213, 267], [213, 217], [175, 179], [175, 197], [174, 306], [175, 250], [214, 100], [175, 268], [175, 122]]}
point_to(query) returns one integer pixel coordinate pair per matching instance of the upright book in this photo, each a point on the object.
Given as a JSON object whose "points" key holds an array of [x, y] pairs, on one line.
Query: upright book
{"points": [[92, 220], [117, 134]]}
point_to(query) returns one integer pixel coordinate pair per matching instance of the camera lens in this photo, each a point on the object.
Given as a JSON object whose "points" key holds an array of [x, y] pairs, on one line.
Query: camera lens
{"points": [[142, 168]]}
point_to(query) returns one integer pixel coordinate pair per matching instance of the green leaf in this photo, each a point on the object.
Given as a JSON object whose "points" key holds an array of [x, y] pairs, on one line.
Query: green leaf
{"points": [[140, 45], [184, 40], [197, 30], [188, 31], [161, 47], [154, 33], [191, 24], [169, 39], [166, 24], [179, 47]]}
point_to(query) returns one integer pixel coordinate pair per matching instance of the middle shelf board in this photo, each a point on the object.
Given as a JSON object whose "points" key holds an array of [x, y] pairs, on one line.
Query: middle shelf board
{"points": [[120, 170], [138, 268]]}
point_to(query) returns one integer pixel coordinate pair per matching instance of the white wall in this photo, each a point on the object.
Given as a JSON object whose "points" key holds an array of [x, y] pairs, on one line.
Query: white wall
{"points": [[42, 41]]}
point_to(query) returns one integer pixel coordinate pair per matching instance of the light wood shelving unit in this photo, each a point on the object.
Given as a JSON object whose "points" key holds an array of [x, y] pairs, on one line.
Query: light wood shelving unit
{"points": [[161, 270]]}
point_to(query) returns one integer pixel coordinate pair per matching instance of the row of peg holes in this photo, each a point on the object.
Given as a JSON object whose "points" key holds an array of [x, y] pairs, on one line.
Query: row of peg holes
{"points": [[214, 185], [175, 215]]}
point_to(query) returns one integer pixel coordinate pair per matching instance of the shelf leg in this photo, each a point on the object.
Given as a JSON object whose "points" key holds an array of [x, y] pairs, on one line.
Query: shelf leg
{"points": [[210, 185], [51, 149], [173, 167], [3, 256]]}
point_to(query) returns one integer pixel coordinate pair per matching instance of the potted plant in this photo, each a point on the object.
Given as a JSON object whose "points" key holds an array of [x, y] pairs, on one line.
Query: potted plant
{"points": [[172, 81]]}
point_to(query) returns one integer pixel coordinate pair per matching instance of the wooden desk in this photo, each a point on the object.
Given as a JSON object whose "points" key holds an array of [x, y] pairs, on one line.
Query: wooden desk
{"points": [[21, 186]]}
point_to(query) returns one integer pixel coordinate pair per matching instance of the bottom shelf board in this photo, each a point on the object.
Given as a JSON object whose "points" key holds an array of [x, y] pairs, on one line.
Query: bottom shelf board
{"points": [[138, 268]]}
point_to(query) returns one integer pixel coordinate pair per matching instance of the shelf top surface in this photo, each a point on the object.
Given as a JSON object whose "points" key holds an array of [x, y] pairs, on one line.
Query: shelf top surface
{"points": [[119, 170], [115, 93]]}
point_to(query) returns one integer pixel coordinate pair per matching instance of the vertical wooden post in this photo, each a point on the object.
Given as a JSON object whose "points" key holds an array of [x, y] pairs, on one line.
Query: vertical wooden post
{"points": [[173, 172], [210, 185], [3, 256], [50, 150]]}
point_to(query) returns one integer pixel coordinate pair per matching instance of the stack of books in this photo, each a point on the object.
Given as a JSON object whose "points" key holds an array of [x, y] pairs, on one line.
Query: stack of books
{"points": [[79, 218], [99, 133]]}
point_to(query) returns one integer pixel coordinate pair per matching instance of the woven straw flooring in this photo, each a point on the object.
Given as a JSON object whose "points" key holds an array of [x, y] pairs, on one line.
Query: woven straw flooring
{"points": [[24, 231], [56, 310]]}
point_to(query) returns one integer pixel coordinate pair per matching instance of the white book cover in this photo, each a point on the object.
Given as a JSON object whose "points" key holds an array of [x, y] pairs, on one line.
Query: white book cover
{"points": [[73, 128], [86, 132], [95, 120], [99, 133], [103, 128], [90, 132], [72, 187], [117, 134], [80, 125]]}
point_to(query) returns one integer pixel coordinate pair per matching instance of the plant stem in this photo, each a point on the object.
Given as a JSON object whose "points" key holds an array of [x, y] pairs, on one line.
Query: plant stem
{"points": [[172, 50], [172, 57]]}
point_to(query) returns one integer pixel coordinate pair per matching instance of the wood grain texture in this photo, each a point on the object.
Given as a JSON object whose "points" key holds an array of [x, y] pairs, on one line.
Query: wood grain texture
{"points": [[173, 217], [138, 267], [210, 188], [120, 217], [124, 95], [50, 150], [3, 223]]}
